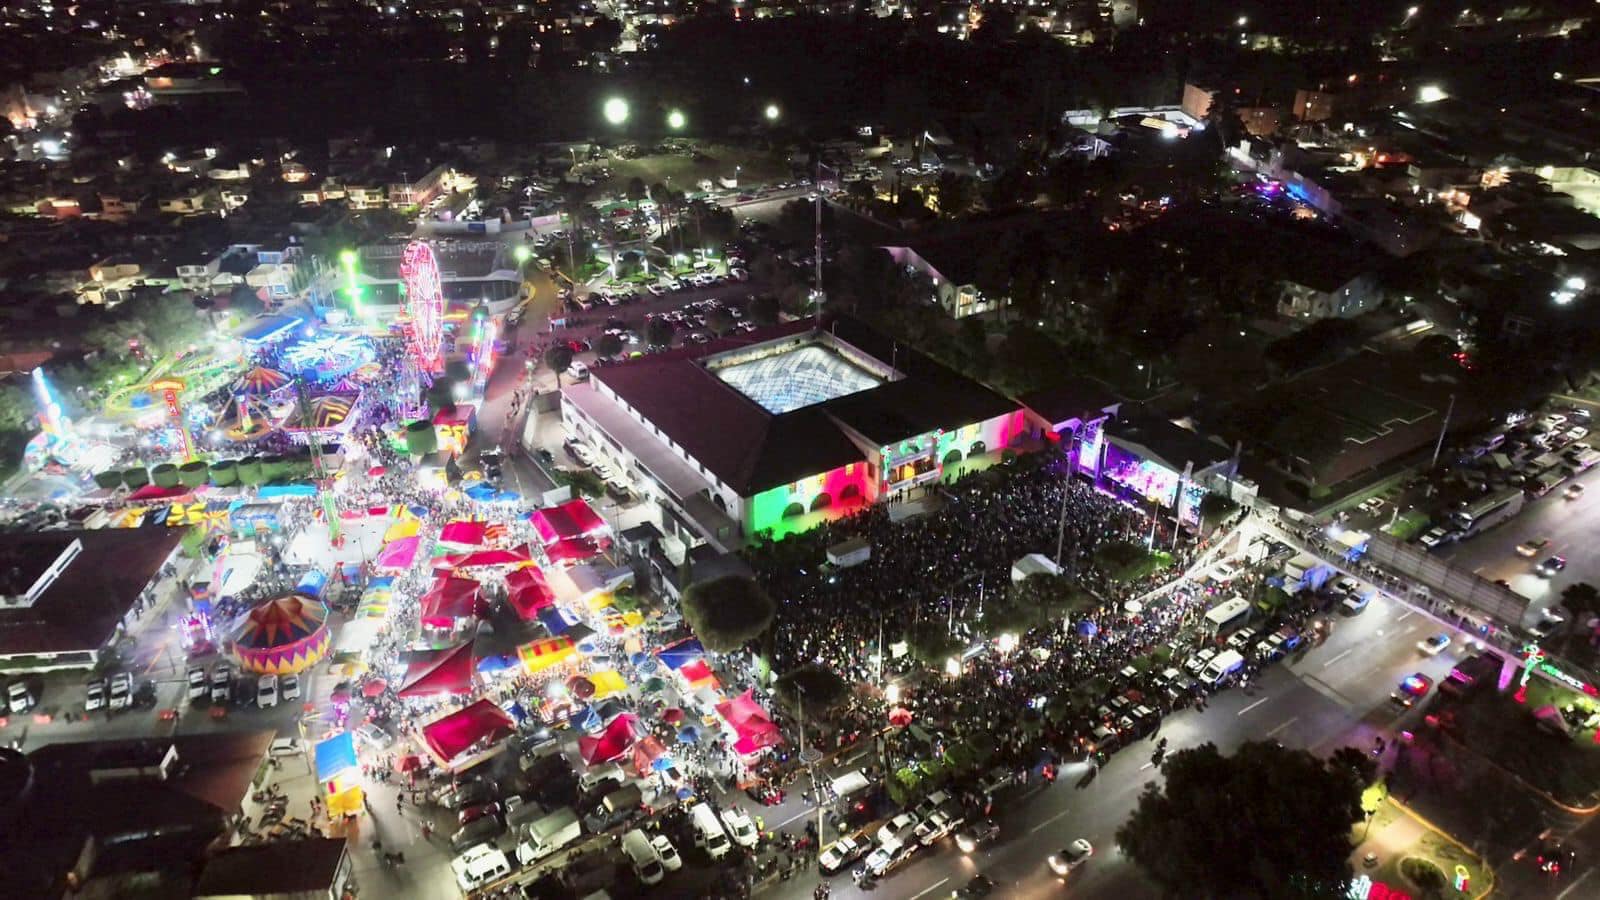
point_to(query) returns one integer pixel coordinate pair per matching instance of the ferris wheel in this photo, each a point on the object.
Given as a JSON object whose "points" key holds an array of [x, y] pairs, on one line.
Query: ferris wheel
{"points": [[424, 304]]}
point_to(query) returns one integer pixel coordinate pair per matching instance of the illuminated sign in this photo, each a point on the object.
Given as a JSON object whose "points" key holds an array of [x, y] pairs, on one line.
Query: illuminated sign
{"points": [[1364, 888]]}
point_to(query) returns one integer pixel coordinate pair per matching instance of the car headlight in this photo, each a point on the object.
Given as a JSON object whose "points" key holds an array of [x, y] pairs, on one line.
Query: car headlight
{"points": [[966, 843]]}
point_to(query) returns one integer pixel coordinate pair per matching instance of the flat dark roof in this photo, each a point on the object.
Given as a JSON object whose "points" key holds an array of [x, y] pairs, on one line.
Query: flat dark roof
{"points": [[1175, 445], [80, 610], [1075, 398], [281, 867], [752, 449]]}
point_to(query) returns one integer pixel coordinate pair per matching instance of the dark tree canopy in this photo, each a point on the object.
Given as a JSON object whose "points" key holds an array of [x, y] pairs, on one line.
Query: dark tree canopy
{"points": [[728, 612], [1267, 822]]}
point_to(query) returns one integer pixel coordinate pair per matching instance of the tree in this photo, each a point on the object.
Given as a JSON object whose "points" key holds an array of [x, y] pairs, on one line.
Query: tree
{"points": [[764, 310], [720, 321], [559, 358], [955, 193], [817, 687], [658, 332], [608, 346], [728, 612], [1288, 818], [1582, 602], [636, 188]]}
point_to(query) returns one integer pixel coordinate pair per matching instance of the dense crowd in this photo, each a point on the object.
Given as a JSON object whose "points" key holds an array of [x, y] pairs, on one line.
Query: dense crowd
{"points": [[921, 565]]}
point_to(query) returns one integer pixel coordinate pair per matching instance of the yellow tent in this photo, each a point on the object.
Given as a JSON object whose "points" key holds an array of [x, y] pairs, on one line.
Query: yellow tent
{"points": [[607, 683], [402, 529], [546, 653], [600, 601]]}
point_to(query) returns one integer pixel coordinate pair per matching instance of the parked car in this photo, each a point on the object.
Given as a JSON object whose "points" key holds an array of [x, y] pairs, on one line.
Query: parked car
{"points": [[94, 695], [267, 691], [476, 812], [670, 860], [476, 832], [121, 692], [19, 699], [739, 826], [289, 688], [221, 683], [198, 688], [841, 853], [467, 794]]}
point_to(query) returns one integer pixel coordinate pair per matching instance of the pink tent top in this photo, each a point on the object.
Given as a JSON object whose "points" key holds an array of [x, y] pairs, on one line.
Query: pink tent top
{"points": [[645, 752], [611, 743], [697, 672], [530, 594], [399, 554], [741, 710], [453, 735], [572, 550], [486, 558], [445, 672], [755, 741], [156, 492], [468, 534], [572, 519], [450, 599]]}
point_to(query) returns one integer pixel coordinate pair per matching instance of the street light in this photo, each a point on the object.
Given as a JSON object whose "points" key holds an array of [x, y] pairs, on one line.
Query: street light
{"points": [[616, 110], [676, 120], [772, 112], [521, 253]]}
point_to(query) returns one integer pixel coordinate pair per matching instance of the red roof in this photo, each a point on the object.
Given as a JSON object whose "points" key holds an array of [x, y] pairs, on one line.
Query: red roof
{"points": [[529, 592], [614, 742], [449, 599], [572, 550], [443, 672], [454, 734], [572, 519], [487, 558]]}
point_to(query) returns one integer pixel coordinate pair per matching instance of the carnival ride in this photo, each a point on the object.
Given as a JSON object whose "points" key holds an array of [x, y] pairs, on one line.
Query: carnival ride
{"points": [[424, 304]]}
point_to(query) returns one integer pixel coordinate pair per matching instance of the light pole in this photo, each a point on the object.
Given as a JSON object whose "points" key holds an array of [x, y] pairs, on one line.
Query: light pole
{"points": [[615, 110], [676, 120]]}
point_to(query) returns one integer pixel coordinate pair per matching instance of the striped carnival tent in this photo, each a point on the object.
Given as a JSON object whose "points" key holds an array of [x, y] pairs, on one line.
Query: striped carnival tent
{"points": [[282, 636]]}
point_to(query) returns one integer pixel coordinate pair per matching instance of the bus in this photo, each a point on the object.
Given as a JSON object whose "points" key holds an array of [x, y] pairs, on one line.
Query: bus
{"points": [[1488, 512], [1227, 617]]}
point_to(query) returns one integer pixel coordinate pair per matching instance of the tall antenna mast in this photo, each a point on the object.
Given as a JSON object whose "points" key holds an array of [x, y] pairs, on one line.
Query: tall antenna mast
{"points": [[816, 290]]}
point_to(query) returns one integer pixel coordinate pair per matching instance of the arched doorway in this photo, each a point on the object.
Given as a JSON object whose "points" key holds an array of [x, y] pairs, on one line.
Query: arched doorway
{"points": [[978, 448], [850, 492], [822, 501], [793, 509], [952, 457], [721, 503]]}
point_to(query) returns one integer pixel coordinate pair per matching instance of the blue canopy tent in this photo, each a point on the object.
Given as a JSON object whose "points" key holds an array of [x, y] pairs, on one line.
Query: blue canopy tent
{"points": [[1088, 628], [585, 719], [335, 756], [517, 712], [497, 662], [688, 734], [554, 621], [480, 491], [681, 654]]}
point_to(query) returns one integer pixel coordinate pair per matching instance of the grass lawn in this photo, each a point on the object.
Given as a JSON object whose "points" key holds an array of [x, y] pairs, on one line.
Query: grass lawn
{"points": [[1430, 846], [1139, 568], [1408, 526], [754, 168], [1502, 730]]}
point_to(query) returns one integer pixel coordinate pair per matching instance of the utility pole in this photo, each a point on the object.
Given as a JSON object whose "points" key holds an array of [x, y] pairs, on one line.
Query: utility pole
{"points": [[816, 259], [1444, 426]]}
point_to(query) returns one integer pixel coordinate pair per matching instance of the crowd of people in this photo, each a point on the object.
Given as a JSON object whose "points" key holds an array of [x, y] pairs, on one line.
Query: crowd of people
{"points": [[921, 565]]}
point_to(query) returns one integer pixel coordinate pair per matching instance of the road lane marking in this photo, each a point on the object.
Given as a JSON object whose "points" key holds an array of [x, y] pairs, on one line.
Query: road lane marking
{"points": [[1286, 724], [1571, 887], [796, 817], [930, 888], [1047, 822], [1253, 705], [1406, 616], [1339, 657]]}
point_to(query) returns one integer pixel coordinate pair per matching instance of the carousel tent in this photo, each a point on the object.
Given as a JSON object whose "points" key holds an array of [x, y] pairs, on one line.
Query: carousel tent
{"points": [[450, 600], [439, 672], [282, 636], [572, 519], [448, 737]]}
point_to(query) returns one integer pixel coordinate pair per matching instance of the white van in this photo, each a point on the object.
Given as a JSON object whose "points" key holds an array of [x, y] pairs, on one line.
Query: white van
{"points": [[646, 861], [479, 866], [708, 833], [609, 772], [1224, 664]]}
